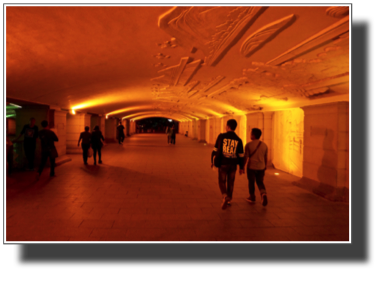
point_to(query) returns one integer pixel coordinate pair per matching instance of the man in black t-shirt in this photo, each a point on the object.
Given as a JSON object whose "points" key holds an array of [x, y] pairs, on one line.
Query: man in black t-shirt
{"points": [[230, 147], [48, 148], [30, 132], [86, 142], [173, 135], [121, 135]]}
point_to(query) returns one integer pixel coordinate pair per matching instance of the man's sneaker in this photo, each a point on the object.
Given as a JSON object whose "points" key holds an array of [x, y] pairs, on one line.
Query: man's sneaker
{"points": [[225, 201], [264, 199], [250, 199]]}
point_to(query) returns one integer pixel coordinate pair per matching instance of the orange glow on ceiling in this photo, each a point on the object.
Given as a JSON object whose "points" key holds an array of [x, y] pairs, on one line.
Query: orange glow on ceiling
{"points": [[91, 103], [155, 114], [272, 63], [124, 110], [181, 115]]}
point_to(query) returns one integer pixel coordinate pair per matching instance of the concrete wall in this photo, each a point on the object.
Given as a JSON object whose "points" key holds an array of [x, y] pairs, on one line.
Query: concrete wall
{"points": [[190, 126], [326, 149], [217, 128], [102, 125], [95, 120], [126, 124], [197, 129], [132, 127], [87, 120], [288, 138], [110, 130], [211, 131], [186, 126], [194, 130], [267, 134], [202, 131], [190, 129], [242, 123]]}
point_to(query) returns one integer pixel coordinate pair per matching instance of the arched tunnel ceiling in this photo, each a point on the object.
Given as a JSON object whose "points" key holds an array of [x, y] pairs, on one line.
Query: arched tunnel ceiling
{"points": [[183, 62]]}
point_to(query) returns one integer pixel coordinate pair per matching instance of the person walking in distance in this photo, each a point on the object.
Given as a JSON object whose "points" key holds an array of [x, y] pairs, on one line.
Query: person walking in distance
{"points": [[30, 132], [256, 153], [173, 135], [47, 138], [169, 133], [96, 144], [121, 135], [229, 147], [86, 142]]}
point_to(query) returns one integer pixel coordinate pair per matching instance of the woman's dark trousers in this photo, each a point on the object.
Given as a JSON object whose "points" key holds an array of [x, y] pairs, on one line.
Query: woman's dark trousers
{"points": [[85, 149], [95, 150]]}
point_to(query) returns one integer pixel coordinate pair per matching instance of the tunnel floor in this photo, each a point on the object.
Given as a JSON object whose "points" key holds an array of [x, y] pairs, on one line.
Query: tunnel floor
{"points": [[147, 190]]}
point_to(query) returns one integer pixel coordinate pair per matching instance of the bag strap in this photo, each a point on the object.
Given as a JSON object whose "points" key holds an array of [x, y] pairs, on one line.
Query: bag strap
{"points": [[219, 152], [259, 144]]}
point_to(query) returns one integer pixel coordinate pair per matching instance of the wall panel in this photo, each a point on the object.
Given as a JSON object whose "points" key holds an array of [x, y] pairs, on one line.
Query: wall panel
{"points": [[288, 132]]}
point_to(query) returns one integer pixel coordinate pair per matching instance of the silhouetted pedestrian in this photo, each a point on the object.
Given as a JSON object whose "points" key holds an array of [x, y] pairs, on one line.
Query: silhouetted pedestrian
{"points": [[121, 135], [30, 132], [173, 135], [96, 144], [47, 138], [169, 133], [86, 143], [228, 153], [256, 153], [9, 154]]}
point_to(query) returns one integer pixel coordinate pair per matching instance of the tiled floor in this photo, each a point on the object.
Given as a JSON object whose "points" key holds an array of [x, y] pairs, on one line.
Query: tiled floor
{"points": [[147, 190]]}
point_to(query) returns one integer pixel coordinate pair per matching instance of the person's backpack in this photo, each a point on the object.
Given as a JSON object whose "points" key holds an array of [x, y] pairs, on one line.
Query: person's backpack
{"points": [[219, 155]]}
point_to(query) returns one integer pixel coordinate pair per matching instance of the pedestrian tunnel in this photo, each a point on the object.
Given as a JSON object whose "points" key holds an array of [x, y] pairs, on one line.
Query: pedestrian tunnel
{"points": [[283, 69]]}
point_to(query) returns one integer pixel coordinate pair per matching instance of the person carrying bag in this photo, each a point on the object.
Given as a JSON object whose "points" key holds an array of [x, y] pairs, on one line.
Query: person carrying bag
{"points": [[218, 156], [228, 153], [89, 152], [256, 166]]}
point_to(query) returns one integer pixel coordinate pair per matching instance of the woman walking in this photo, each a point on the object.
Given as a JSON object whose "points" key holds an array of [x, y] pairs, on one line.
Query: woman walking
{"points": [[96, 144]]}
